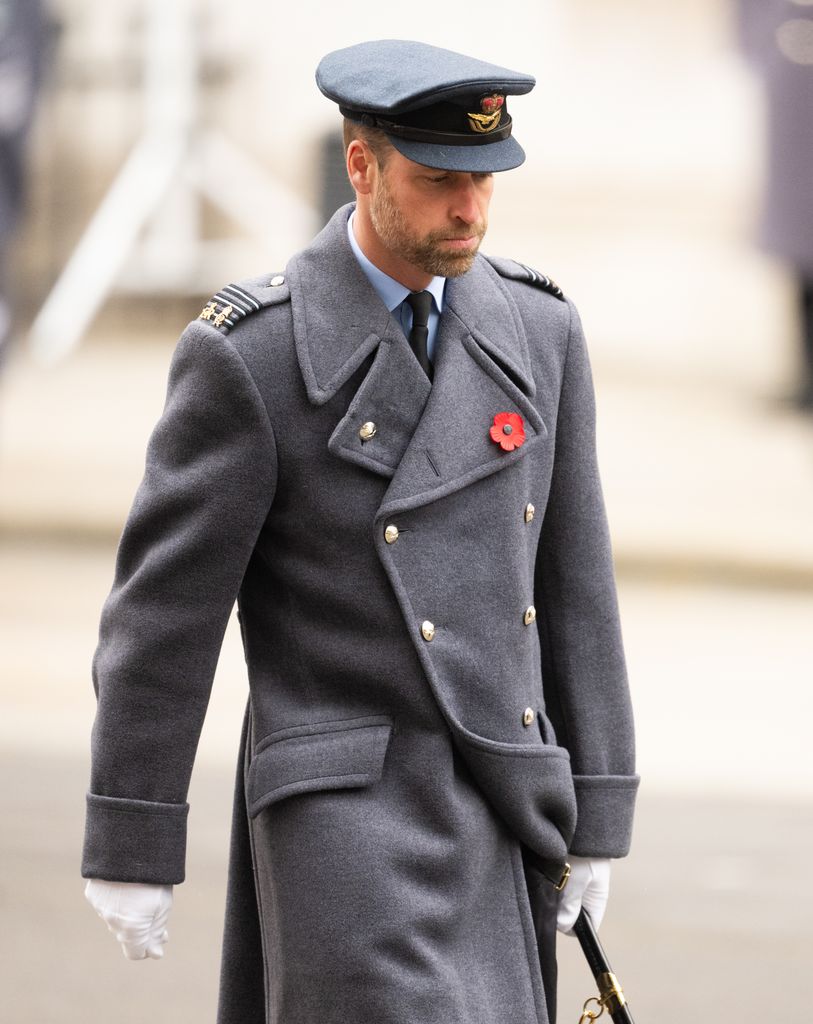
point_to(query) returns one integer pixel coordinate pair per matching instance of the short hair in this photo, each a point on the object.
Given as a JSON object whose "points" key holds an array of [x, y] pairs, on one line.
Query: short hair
{"points": [[378, 143]]}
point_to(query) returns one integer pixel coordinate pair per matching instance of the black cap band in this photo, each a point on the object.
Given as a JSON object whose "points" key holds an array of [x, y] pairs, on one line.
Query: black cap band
{"points": [[435, 138]]}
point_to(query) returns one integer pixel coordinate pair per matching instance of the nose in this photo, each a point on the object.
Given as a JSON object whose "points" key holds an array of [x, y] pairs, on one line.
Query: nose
{"points": [[465, 204]]}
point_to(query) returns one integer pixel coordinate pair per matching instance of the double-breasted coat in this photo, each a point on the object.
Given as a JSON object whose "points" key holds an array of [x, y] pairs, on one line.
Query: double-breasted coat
{"points": [[437, 681]]}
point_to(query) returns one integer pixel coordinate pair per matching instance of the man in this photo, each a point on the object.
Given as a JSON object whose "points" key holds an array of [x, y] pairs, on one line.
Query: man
{"points": [[439, 718]]}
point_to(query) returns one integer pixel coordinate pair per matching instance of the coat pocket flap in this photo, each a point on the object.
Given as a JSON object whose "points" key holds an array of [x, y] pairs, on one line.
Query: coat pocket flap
{"points": [[330, 755], [530, 785]]}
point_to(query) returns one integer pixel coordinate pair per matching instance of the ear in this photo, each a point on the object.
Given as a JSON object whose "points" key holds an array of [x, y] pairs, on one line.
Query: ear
{"points": [[361, 167]]}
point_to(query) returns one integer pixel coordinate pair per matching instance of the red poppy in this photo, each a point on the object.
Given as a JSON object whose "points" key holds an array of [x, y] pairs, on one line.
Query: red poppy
{"points": [[507, 431]]}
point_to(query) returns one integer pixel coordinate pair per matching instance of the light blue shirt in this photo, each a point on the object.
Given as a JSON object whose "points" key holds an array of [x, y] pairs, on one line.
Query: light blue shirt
{"points": [[392, 293]]}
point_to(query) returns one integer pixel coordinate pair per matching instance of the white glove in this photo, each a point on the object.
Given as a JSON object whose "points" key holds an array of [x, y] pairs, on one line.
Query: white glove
{"points": [[588, 887], [135, 913]]}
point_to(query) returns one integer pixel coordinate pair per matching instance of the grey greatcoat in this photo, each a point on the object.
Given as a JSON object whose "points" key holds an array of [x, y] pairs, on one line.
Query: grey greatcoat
{"points": [[393, 783]]}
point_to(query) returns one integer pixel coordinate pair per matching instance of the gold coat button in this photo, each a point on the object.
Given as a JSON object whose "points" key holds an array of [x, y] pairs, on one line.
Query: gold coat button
{"points": [[528, 716], [367, 430], [391, 534], [530, 614], [277, 281], [529, 512], [427, 630]]}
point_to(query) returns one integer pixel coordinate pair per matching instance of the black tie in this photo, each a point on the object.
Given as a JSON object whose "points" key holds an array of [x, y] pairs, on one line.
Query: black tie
{"points": [[421, 303]]}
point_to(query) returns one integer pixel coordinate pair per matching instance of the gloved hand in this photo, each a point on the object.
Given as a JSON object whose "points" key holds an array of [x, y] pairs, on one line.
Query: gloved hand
{"points": [[135, 913], [588, 887]]}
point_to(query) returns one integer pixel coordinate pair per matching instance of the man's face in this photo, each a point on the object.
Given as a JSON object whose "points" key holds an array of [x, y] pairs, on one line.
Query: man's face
{"points": [[433, 219]]}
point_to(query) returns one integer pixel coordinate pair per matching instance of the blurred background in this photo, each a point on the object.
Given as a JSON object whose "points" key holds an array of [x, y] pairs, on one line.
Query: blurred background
{"points": [[153, 152]]}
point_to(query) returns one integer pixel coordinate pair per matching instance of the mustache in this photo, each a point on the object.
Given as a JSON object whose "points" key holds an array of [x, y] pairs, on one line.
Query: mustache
{"points": [[475, 231]]}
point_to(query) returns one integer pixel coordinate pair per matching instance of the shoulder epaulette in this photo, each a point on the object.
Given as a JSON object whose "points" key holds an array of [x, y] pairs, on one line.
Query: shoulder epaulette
{"points": [[236, 301], [519, 272]]}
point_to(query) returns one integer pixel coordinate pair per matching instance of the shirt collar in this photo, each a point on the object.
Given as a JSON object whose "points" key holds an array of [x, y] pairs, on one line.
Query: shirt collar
{"points": [[391, 292]]}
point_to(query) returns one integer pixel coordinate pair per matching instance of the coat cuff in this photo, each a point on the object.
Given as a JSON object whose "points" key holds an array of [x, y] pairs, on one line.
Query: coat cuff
{"points": [[134, 840], [605, 808]]}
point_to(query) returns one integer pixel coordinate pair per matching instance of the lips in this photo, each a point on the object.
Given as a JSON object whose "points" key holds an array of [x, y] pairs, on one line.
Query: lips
{"points": [[461, 242], [476, 235]]}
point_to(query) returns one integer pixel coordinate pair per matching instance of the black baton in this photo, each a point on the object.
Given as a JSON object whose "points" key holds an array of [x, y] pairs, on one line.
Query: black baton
{"points": [[611, 998]]}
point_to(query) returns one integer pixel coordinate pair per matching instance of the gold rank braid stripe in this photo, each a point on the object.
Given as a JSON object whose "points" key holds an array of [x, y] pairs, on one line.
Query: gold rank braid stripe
{"points": [[542, 281], [228, 307]]}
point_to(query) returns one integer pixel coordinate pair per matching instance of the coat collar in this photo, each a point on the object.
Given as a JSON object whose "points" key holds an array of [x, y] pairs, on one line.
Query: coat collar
{"points": [[431, 439], [338, 318]]}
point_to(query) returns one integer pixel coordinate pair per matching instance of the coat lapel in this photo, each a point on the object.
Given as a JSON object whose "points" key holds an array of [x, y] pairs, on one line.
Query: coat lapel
{"points": [[339, 320], [482, 367], [430, 439]]}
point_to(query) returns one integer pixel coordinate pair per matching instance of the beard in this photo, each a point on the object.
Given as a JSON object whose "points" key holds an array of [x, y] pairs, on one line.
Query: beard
{"points": [[426, 252]]}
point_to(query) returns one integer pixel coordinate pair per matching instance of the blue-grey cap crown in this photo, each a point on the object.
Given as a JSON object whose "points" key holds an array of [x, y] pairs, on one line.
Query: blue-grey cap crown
{"points": [[395, 75]]}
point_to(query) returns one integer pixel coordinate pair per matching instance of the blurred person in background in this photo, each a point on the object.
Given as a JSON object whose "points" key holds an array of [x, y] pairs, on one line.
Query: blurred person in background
{"points": [[22, 49], [394, 428], [777, 37]]}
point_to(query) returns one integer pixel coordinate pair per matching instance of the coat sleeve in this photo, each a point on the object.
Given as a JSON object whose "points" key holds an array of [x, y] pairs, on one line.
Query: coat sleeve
{"points": [[208, 484], [583, 666]]}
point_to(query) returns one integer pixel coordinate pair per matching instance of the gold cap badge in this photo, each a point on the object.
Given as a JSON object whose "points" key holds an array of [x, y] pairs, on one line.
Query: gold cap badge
{"points": [[489, 117]]}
